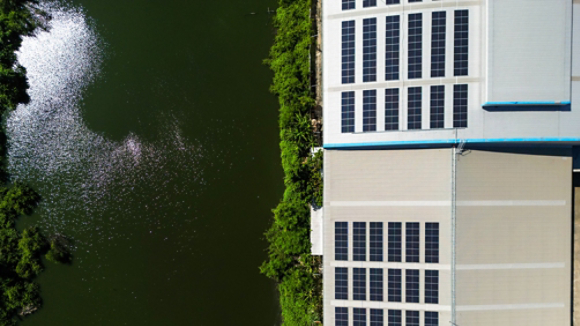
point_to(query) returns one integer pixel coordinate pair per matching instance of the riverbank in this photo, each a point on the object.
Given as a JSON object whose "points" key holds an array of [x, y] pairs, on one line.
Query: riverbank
{"points": [[290, 262], [20, 252]]}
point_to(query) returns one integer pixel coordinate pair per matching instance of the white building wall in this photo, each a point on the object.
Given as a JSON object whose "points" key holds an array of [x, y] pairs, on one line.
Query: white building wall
{"points": [[529, 50], [513, 243], [569, 122]]}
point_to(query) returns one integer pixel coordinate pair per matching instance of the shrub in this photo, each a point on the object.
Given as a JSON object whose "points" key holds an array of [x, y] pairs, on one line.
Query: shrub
{"points": [[289, 261]]}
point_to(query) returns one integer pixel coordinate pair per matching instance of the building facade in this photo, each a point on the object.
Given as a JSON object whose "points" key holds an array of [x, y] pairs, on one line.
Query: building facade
{"points": [[436, 71], [428, 237], [448, 134]]}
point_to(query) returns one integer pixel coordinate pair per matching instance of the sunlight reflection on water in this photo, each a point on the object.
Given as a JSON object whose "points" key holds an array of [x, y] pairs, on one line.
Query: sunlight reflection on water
{"points": [[84, 177]]}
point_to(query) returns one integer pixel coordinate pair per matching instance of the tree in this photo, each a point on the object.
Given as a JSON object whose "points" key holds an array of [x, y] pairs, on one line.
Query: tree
{"points": [[30, 245], [58, 252]]}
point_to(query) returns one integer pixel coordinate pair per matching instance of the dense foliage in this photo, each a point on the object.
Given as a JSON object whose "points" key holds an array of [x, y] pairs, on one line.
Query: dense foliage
{"points": [[19, 255], [18, 18], [20, 252], [290, 262]]}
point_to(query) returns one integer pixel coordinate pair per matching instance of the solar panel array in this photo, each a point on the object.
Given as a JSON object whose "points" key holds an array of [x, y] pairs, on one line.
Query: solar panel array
{"points": [[414, 67], [377, 317], [375, 278], [394, 241]]}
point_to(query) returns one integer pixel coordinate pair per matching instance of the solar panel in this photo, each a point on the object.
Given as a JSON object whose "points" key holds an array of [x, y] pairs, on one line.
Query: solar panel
{"points": [[415, 46], [438, 43], [348, 50], [392, 45]]}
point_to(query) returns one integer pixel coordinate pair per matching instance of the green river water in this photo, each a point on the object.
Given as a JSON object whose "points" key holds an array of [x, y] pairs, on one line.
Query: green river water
{"points": [[153, 140]]}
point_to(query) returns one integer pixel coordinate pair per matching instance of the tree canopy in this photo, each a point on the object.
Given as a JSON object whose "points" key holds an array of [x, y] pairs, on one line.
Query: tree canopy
{"points": [[290, 262]]}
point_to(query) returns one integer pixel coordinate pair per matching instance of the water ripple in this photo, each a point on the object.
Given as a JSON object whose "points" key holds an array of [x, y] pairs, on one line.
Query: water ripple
{"points": [[82, 175]]}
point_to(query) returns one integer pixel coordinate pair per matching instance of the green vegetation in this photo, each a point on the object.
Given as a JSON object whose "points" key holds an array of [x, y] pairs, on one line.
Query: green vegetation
{"points": [[20, 252], [290, 262], [18, 18]]}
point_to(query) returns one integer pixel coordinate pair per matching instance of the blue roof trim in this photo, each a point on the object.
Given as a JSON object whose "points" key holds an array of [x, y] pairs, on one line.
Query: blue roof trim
{"points": [[448, 141], [526, 103]]}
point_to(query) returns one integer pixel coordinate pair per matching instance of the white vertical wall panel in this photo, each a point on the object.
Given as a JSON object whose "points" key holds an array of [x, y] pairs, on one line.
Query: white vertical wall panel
{"points": [[569, 121], [316, 235], [576, 40], [505, 238], [529, 50]]}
